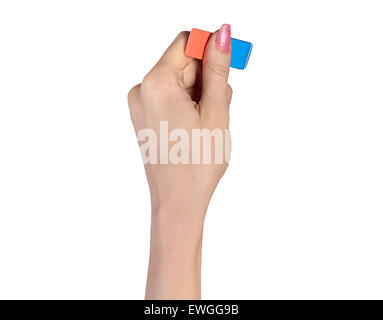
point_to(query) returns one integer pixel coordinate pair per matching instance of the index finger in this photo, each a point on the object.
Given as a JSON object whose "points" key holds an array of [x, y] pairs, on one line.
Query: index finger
{"points": [[174, 56]]}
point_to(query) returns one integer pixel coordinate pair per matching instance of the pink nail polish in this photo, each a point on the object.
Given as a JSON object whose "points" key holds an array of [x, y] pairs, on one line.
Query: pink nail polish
{"points": [[223, 39]]}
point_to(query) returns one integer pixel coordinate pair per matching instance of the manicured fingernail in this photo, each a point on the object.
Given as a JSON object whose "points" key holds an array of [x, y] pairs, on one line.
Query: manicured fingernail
{"points": [[223, 39]]}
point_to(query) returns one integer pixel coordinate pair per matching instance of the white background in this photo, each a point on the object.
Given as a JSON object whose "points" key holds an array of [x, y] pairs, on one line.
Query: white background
{"points": [[299, 213]]}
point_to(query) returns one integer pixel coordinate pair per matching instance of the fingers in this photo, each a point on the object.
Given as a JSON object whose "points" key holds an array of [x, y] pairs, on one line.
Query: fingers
{"points": [[215, 73], [192, 74], [174, 56], [165, 80], [173, 61]]}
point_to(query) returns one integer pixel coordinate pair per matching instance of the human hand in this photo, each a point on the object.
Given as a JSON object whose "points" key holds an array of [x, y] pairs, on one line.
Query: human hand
{"points": [[186, 96]]}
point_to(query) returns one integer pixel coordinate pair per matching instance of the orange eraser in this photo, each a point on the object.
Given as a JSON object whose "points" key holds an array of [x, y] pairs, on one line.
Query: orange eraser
{"points": [[196, 43]]}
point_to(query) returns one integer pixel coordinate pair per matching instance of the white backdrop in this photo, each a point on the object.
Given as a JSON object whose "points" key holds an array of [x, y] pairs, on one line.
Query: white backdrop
{"points": [[299, 213]]}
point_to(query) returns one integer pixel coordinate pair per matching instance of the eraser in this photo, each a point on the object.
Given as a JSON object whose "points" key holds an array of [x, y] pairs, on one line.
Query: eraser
{"points": [[240, 53], [240, 50], [196, 44]]}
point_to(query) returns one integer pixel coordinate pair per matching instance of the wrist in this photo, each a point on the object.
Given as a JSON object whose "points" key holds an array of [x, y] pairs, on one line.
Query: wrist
{"points": [[175, 256], [176, 227]]}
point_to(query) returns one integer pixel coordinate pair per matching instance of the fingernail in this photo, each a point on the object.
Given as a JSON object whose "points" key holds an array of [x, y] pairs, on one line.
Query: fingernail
{"points": [[223, 39]]}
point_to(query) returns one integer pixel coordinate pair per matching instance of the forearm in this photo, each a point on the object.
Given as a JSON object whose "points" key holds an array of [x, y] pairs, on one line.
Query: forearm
{"points": [[175, 255]]}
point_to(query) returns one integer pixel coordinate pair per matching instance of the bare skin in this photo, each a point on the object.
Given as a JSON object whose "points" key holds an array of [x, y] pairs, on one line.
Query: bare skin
{"points": [[188, 94]]}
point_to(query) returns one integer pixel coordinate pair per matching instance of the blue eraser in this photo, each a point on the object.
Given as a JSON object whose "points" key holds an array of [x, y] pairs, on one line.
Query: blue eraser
{"points": [[240, 53]]}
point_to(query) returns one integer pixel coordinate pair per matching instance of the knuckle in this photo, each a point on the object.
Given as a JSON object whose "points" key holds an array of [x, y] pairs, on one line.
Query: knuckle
{"points": [[221, 71], [230, 89], [183, 35], [151, 87], [153, 79], [133, 94], [148, 81], [229, 93], [156, 85]]}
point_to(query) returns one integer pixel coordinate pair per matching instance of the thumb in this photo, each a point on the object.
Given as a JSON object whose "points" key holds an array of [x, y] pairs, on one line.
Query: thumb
{"points": [[215, 71]]}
